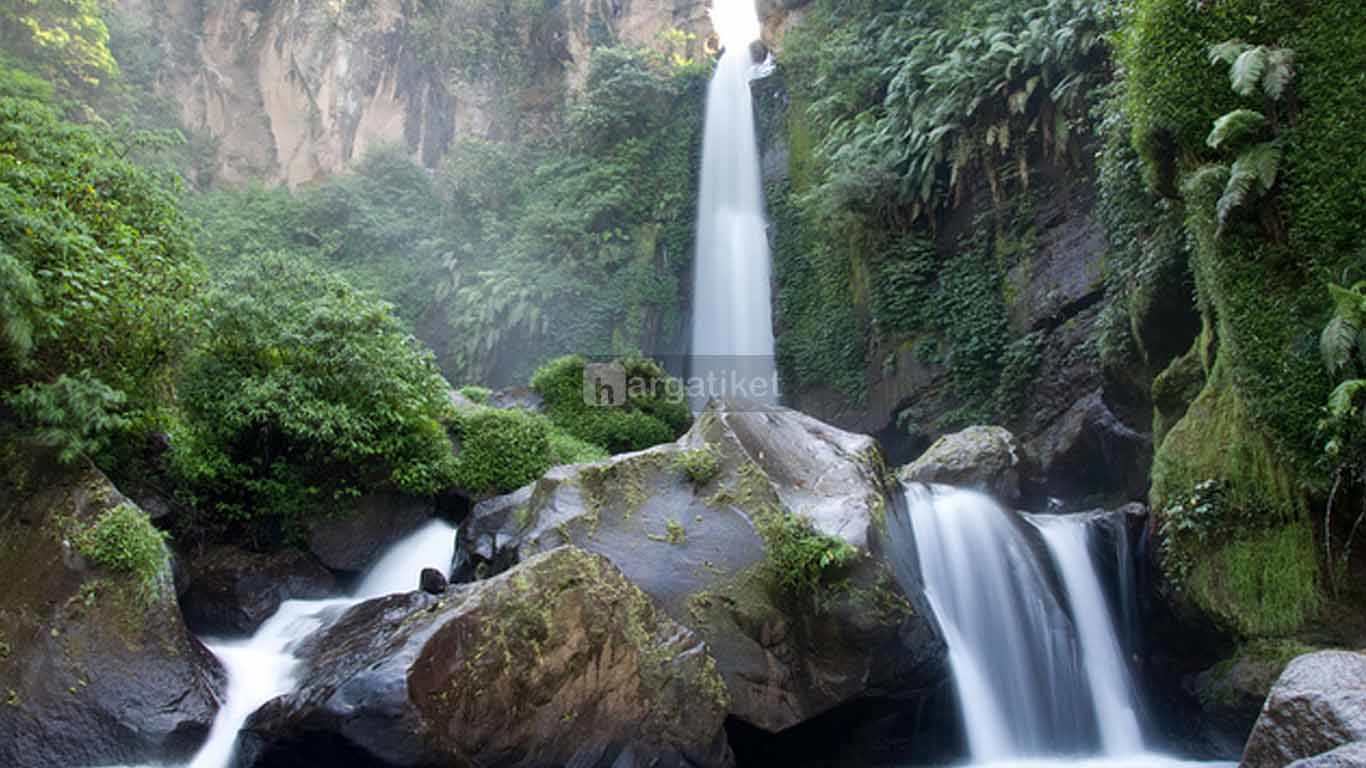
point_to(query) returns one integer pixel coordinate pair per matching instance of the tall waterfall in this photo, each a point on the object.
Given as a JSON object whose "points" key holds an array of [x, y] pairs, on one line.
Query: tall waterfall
{"points": [[262, 666], [732, 325], [1036, 663]]}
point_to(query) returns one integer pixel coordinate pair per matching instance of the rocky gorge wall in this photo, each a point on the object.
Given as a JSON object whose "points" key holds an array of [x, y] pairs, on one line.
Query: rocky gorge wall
{"points": [[295, 91]]}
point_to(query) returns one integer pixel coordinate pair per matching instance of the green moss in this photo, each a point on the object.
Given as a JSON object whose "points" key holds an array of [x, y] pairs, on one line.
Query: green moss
{"points": [[568, 449], [1175, 389], [1263, 584]]}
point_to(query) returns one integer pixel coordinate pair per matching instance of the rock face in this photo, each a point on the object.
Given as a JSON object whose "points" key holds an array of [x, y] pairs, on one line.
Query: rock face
{"points": [[712, 551], [559, 661], [95, 667], [1317, 705], [988, 459], [296, 91], [1351, 756], [350, 540], [1090, 450], [232, 591]]}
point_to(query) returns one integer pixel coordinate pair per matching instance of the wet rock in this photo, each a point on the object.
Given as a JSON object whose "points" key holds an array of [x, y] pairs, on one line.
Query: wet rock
{"points": [[790, 643], [988, 459], [517, 397], [96, 666], [1090, 451], [232, 591], [432, 581], [1317, 705], [350, 540], [559, 661]]}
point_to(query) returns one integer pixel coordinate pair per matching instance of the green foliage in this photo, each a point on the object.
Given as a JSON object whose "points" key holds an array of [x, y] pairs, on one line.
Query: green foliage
{"points": [[1258, 272], [800, 558], [66, 39], [476, 393], [579, 246], [305, 389], [700, 465], [567, 449], [653, 411], [99, 276], [123, 539], [500, 450], [78, 415]]}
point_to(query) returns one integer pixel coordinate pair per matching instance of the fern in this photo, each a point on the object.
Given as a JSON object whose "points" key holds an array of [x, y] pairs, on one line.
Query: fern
{"points": [[1227, 52], [1342, 402], [20, 298], [1343, 341], [1247, 70], [1280, 70], [1235, 128], [1252, 175]]}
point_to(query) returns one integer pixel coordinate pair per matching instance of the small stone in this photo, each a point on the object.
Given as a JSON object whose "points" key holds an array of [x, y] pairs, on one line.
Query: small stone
{"points": [[432, 581]]}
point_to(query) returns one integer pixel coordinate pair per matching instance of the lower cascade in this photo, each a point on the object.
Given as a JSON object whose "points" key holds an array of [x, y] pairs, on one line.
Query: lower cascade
{"points": [[261, 667], [1037, 664]]}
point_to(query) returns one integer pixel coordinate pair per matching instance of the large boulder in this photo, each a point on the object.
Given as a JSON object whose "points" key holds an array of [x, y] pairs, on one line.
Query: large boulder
{"points": [[762, 530], [350, 540], [988, 459], [1089, 451], [96, 666], [1350, 756], [231, 591], [1317, 705], [559, 661]]}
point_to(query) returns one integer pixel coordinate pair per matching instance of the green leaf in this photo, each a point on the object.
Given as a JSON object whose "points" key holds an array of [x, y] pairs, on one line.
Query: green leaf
{"points": [[1341, 401], [1227, 51], [1247, 70], [1337, 344], [1280, 70], [1235, 127]]}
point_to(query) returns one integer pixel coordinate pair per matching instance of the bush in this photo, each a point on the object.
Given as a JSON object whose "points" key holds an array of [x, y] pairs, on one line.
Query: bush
{"points": [[500, 450], [303, 389], [567, 449], [97, 275], [800, 557], [653, 412], [699, 464], [123, 539]]}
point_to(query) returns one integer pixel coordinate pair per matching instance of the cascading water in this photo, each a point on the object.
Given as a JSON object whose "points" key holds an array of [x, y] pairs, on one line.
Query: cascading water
{"points": [[261, 667], [732, 326], [1016, 664], [1111, 689]]}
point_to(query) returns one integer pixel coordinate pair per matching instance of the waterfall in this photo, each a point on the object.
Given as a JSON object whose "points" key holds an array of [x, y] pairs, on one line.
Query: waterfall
{"points": [[1014, 655], [262, 667], [1111, 689], [732, 325]]}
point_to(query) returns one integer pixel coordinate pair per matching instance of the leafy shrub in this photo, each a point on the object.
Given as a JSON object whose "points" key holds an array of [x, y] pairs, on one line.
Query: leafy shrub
{"points": [[476, 394], [306, 388], [799, 557], [78, 415], [699, 464], [654, 412], [567, 449], [123, 539], [97, 276], [500, 450]]}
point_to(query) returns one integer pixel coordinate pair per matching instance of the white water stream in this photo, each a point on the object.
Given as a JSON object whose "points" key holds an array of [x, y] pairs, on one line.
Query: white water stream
{"points": [[732, 324], [261, 667]]}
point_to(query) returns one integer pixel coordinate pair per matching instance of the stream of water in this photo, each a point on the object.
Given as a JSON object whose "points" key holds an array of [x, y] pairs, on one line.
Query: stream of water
{"points": [[732, 324]]}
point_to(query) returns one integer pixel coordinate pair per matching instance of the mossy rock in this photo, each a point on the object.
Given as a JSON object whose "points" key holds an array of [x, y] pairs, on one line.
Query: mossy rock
{"points": [[88, 649], [1255, 572], [558, 661], [775, 558]]}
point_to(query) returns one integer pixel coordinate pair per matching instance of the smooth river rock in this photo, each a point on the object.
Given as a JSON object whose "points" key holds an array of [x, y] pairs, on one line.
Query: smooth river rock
{"points": [[96, 668], [1317, 705], [983, 458], [231, 591], [559, 661]]}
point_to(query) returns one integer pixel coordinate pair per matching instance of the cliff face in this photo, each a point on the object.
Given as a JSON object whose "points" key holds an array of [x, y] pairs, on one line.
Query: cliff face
{"points": [[293, 90]]}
